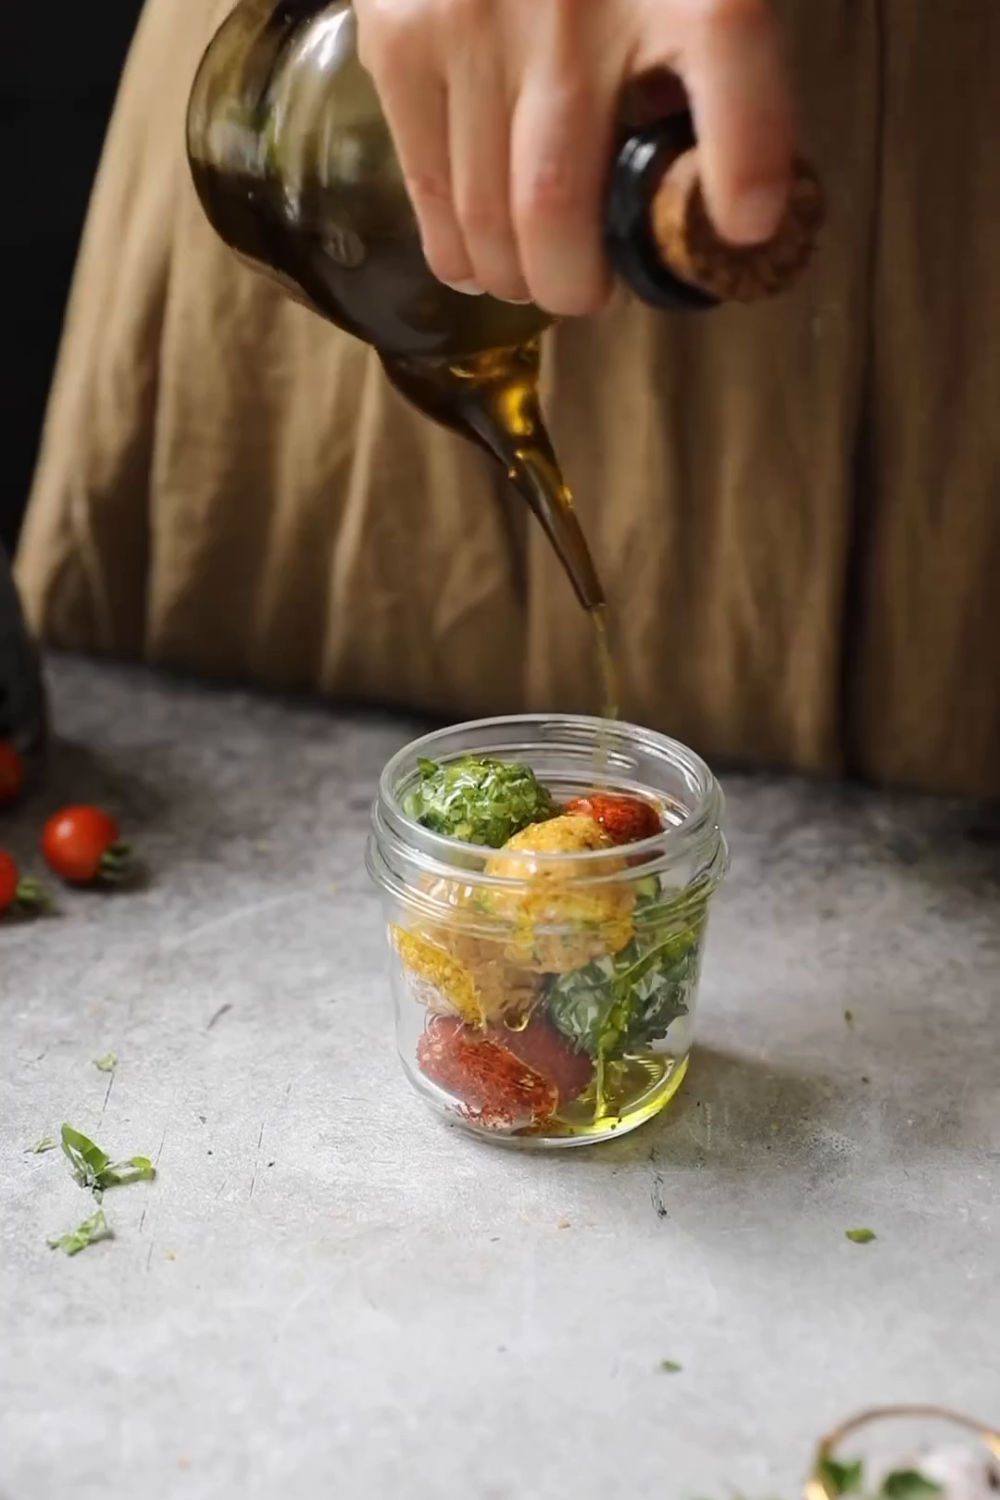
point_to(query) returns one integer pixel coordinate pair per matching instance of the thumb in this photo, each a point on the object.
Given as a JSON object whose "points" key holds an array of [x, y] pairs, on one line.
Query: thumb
{"points": [[733, 67]]}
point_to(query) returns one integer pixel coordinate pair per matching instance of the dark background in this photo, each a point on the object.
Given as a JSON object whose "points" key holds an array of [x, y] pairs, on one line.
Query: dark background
{"points": [[59, 71]]}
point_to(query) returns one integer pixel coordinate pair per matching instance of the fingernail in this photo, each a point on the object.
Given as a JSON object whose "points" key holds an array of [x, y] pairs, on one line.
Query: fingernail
{"points": [[467, 288], [516, 301], [756, 214]]}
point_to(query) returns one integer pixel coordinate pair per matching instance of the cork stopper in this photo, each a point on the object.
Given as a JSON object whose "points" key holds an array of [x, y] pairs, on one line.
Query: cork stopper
{"points": [[690, 246]]}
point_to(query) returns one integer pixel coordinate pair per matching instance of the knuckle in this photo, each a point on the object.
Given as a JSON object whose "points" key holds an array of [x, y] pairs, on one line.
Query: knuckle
{"points": [[555, 182], [430, 189], [551, 194], [484, 218], [386, 37]]}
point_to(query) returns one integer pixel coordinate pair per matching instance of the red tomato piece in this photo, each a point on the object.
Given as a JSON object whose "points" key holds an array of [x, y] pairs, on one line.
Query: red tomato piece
{"points": [[552, 1055], [624, 819]]}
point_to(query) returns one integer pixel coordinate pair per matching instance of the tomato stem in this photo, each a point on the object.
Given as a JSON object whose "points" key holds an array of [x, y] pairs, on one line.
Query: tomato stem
{"points": [[32, 897], [118, 864]]}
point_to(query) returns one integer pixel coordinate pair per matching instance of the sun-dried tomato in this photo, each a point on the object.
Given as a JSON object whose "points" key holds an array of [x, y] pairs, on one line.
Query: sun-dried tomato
{"points": [[544, 1048], [624, 819], [495, 1088]]}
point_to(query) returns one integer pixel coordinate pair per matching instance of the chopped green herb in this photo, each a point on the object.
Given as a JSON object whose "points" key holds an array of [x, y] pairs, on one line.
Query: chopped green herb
{"points": [[90, 1232], [842, 1478], [849, 1017], [909, 1484], [670, 1367], [632, 998], [45, 1144], [107, 1063], [860, 1236], [94, 1169], [478, 799]]}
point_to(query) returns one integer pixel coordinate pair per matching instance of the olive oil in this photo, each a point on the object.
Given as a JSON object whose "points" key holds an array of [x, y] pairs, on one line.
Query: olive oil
{"points": [[631, 1092]]}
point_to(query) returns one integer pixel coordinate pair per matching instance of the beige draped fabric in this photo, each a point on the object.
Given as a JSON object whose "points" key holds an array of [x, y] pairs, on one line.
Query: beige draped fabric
{"points": [[795, 507]]}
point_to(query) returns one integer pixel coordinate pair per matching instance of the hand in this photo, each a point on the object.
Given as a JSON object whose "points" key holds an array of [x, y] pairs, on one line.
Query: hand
{"points": [[503, 114]]}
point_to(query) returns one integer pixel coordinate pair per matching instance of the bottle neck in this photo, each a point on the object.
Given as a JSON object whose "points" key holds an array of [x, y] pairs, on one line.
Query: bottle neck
{"points": [[661, 239], [641, 164]]}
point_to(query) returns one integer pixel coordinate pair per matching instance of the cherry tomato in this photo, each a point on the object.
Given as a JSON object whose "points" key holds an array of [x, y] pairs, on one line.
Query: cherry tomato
{"points": [[11, 774], [624, 819], [25, 895], [82, 845]]}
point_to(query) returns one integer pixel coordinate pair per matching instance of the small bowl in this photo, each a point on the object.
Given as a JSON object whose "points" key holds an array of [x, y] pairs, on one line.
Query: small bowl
{"points": [[547, 999]]}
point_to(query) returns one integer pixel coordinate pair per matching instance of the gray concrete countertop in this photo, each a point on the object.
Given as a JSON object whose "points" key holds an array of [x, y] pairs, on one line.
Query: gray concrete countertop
{"points": [[329, 1293]]}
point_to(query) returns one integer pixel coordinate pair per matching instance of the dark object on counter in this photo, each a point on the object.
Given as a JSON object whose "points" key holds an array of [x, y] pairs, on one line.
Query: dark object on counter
{"points": [[57, 99], [22, 692]]}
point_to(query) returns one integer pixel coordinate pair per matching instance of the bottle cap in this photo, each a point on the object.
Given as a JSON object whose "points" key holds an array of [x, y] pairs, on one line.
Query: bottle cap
{"points": [[663, 244]]}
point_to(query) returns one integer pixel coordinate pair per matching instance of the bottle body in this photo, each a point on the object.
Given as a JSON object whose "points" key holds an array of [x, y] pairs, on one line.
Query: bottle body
{"points": [[295, 168]]}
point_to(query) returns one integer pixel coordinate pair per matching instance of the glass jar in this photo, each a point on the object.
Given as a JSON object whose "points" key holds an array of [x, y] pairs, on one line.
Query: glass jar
{"points": [[545, 994], [861, 1456]]}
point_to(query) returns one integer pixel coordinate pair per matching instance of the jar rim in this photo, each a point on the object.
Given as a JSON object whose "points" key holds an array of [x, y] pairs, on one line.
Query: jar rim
{"points": [[441, 854]]}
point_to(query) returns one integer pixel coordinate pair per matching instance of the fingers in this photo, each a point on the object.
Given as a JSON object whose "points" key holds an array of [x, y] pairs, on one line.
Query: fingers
{"points": [[415, 103], [503, 117], [732, 64], [561, 140], [479, 135]]}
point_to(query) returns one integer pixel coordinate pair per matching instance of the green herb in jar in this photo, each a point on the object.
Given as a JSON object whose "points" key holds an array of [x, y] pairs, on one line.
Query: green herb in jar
{"points": [[478, 799], [629, 1000]]}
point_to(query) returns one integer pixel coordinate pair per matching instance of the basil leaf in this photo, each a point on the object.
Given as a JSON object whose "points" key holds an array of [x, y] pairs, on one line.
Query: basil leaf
{"points": [[90, 1232], [860, 1236], [93, 1169], [87, 1159], [45, 1144], [135, 1169], [842, 1478], [909, 1484]]}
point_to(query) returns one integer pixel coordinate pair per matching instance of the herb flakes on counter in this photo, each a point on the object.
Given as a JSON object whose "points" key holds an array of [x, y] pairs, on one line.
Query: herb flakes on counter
{"points": [[107, 1063], [94, 1169], [40, 1147], [670, 1367], [90, 1232], [860, 1236], [478, 799]]}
